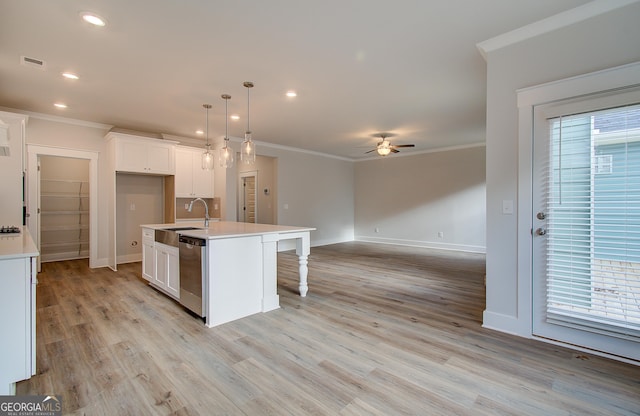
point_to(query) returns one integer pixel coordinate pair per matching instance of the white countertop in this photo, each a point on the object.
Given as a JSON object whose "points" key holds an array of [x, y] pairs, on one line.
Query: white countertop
{"points": [[228, 229], [17, 245]]}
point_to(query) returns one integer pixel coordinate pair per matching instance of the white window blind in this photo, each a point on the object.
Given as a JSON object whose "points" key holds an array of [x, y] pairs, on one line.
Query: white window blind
{"points": [[593, 228]]}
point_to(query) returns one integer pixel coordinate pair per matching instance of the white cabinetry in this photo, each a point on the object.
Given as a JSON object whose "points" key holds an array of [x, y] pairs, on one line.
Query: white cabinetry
{"points": [[143, 155], [160, 264], [148, 255], [167, 269], [191, 180], [17, 310]]}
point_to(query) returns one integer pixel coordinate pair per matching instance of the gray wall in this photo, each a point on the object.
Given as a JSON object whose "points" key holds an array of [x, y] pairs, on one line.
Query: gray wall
{"points": [[604, 41], [411, 199]]}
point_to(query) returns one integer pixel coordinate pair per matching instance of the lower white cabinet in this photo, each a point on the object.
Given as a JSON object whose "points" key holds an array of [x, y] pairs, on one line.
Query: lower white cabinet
{"points": [[17, 322], [167, 269]]}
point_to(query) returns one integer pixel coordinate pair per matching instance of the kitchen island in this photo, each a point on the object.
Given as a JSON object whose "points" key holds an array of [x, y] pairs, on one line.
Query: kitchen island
{"points": [[239, 265]]}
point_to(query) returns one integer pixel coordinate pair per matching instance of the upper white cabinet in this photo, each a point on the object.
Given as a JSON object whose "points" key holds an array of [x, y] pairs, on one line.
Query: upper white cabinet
{"points": [[143, 155], [191, 180]]}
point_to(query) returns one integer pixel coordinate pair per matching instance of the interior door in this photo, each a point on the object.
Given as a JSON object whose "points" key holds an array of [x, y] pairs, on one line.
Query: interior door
{"points": [[586, 223], [248, 198]]}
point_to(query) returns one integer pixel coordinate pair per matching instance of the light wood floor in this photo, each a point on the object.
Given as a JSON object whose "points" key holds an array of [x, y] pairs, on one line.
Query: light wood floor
{"points": [[384, 331]]}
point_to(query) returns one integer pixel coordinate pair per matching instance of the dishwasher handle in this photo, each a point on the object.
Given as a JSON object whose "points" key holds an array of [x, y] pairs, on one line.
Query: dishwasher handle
{"points": [[198, 242]]}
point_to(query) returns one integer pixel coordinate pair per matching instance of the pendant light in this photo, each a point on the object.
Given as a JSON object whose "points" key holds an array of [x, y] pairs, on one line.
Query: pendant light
{"points": [[226, 153], [207, 156], [248, 149]]}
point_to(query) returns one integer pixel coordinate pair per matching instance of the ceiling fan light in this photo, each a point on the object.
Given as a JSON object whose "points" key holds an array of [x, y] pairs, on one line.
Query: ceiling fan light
{"points": [[383, 151]]}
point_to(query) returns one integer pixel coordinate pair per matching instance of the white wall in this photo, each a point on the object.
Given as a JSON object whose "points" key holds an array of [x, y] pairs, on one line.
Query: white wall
{"points": [[604, 41], [411, 199], [314, 191], [139, 200], [69, 134]]}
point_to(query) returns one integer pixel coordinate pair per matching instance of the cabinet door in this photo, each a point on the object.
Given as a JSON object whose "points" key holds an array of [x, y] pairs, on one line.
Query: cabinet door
{"points": [[148, 260], [131, 156], [15, 322], [160, 159], [173, 276], [184, 173], [162, 266], [202, 179]]}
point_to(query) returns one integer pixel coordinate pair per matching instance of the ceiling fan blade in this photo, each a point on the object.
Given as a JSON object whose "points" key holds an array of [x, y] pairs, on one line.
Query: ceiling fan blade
{"points": [[403, 145], [395, 150], [372, 150]]}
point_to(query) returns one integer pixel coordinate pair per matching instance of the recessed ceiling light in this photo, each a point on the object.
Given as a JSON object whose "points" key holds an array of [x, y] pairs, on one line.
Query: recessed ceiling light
{"points": [[199, 132], [70, 75], [292, 93], [93, 18], [235, 117], [60, 105]]}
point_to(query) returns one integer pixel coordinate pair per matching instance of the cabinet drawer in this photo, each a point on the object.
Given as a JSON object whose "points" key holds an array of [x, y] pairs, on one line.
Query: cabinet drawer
{"points": [[148, 235]]}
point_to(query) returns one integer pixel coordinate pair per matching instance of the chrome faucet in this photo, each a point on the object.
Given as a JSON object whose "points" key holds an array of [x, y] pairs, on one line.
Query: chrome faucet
{"points": [[206, 210]]}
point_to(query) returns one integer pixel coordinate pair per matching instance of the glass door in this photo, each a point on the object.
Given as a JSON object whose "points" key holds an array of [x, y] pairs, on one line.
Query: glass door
{"points": [[586, 234]]}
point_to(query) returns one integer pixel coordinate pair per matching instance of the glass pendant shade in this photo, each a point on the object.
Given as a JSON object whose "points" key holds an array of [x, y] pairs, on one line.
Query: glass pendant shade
{"points": [[207, 156], [226, 157], [207, 159], [248, 148], [226, 153]]}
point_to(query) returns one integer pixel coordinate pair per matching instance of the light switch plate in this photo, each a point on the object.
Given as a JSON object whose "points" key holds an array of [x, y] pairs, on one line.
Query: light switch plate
{"points": [[507, 207]]}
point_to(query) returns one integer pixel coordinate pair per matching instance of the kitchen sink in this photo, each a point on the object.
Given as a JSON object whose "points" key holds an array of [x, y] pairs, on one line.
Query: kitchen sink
{"points": [[182, 228], [170, 236]]}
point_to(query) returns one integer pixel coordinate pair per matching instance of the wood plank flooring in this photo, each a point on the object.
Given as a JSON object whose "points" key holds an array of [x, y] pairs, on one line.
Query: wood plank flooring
{"points": [[384, 330]]}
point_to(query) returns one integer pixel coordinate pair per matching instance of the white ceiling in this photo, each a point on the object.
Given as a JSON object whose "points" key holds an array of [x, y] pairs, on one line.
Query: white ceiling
{"points": [[360, 67]]}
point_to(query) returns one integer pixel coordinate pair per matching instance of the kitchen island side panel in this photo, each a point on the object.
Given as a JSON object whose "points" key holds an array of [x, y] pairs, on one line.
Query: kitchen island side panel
{"points": [[234, 278]]}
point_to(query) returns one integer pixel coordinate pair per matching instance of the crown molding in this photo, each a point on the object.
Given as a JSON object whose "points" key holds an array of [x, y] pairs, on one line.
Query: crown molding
{"points": [[560, 20], [59, 119]]}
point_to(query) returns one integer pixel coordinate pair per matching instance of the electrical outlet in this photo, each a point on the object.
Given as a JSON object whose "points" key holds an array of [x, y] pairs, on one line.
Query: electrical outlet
{"points": [[376, 230], [186, 206], [440, 234]]}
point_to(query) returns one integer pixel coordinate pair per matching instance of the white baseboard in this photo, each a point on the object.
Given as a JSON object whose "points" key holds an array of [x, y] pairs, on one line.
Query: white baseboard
{"points": [[425, 244], [71, 255], [129, 258], [505, 323]]}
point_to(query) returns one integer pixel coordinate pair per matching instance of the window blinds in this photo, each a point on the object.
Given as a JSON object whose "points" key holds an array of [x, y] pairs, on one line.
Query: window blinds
{"points": [[593, 228]]}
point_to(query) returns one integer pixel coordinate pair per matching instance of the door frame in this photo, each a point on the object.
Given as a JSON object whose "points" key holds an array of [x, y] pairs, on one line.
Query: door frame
{"points": [[528, 98], [241, 177], [33, 186]]}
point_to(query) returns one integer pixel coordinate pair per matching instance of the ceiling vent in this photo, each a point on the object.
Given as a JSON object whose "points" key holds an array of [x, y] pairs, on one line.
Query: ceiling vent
{"points": [[33, 62]]}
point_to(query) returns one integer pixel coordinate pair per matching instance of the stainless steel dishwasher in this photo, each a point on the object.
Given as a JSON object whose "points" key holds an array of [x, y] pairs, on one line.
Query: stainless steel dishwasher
{"points": [[192, 274]]}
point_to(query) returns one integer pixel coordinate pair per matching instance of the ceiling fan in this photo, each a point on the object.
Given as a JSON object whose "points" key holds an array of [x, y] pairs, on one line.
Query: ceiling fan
{"points": [[384, 147]]}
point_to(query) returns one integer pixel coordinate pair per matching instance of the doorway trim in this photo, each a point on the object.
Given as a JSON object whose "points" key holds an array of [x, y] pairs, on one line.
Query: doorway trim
{"points": [[33, 153]]}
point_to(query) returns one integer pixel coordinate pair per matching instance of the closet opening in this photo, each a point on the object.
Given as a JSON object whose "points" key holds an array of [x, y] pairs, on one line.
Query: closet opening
{"points": [[64, 208]]}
